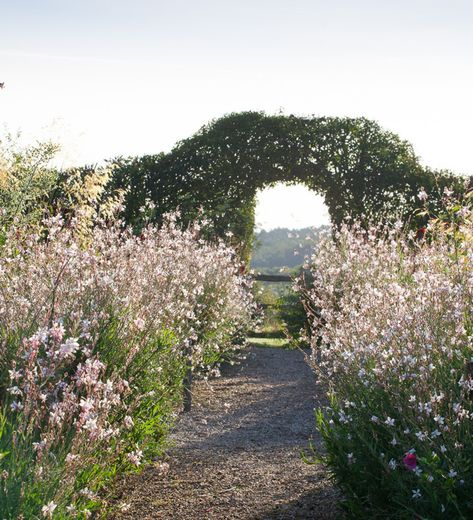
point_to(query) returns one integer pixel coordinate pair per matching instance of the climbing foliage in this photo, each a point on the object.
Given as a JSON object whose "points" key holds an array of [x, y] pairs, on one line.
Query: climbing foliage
{"points": [[362, 170]]}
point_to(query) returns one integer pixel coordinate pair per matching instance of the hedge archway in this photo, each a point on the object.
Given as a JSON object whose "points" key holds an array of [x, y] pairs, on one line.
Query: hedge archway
{"points": [[359, 168]]}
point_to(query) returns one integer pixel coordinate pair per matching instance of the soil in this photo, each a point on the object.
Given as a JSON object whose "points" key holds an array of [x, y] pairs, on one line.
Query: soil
{"points": [[237, 454]]}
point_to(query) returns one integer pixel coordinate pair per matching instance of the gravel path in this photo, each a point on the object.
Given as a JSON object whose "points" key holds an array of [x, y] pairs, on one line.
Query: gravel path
{"points": [[237, 454]]}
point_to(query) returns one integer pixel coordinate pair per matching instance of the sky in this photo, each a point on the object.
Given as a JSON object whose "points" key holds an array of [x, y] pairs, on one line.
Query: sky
{"points": [[108, 78]]}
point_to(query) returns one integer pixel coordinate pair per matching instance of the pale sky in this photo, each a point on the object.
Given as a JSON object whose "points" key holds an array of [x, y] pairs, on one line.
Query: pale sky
{"points": [[107, 78], [294, 207]]}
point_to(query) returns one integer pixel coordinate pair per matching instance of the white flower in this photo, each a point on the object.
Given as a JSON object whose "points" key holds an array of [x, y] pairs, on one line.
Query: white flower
{"points": [[68, 348], [85, 324], [135, 457], [443, 449], [389, 421], [70, 458], [87, 405], [38, 446], [452, 473], [416, 493], [14, 374], [16, 405], [91, 425], [421, 436], [392, 464], [86, 492], [128, 421], [422, 195], [48, 509]]}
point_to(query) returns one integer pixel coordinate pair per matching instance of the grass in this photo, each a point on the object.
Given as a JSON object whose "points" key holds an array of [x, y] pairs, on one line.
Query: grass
{"points": [[269, 342]]}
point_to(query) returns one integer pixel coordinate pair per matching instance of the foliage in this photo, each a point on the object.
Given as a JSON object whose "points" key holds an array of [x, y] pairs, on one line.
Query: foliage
{"points": [[284, 314], [267, 299], [32, 190], [83, 195], [95, 339], [292, 313], [392, 339], [361, 169], [277, 250], [26, 180]]}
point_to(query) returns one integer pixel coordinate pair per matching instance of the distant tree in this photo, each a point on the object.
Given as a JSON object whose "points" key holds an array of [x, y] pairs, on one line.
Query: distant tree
{"points": [[283, 248]]}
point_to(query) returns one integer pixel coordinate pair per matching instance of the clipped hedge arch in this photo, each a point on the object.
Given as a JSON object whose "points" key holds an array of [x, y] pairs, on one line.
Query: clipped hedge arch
{"points": [[358, 167]]}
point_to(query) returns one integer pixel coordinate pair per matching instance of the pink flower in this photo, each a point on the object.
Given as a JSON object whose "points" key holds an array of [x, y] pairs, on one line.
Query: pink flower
{"points": [[57, 332], [410, 461], [69, 348], [135, 457], [139, 323]]}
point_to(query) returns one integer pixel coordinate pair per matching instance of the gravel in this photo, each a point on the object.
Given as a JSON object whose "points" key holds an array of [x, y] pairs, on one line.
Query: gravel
{"points": [[237, 454]]}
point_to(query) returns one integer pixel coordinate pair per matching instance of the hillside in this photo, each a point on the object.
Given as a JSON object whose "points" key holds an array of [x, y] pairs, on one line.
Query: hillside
{"points": [[283, 247]]}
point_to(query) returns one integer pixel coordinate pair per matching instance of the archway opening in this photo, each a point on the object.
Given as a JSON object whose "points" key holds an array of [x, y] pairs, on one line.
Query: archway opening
{"points": [[289, 220], [291, 206]]}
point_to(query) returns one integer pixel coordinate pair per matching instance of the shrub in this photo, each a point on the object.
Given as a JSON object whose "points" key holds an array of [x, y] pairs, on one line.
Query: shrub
{"points": [[26, 181], [95, 338], [392, 339], [294, 304]]}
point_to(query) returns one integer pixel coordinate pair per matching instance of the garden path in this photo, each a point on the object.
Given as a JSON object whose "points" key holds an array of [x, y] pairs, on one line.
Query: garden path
{"points": [[237, 454]]}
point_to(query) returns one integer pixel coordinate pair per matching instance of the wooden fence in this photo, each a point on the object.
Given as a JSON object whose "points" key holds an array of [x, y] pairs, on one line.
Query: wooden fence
{"points": [[272, 278]]}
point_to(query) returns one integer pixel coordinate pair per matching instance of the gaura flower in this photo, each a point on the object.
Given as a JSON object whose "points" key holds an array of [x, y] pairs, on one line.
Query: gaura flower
{"points": [[410, 461], [422, 195], [48, 509]]}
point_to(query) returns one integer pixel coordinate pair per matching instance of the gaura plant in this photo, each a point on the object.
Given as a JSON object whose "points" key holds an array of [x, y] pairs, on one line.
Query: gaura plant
{"points": [[392, 338]]}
